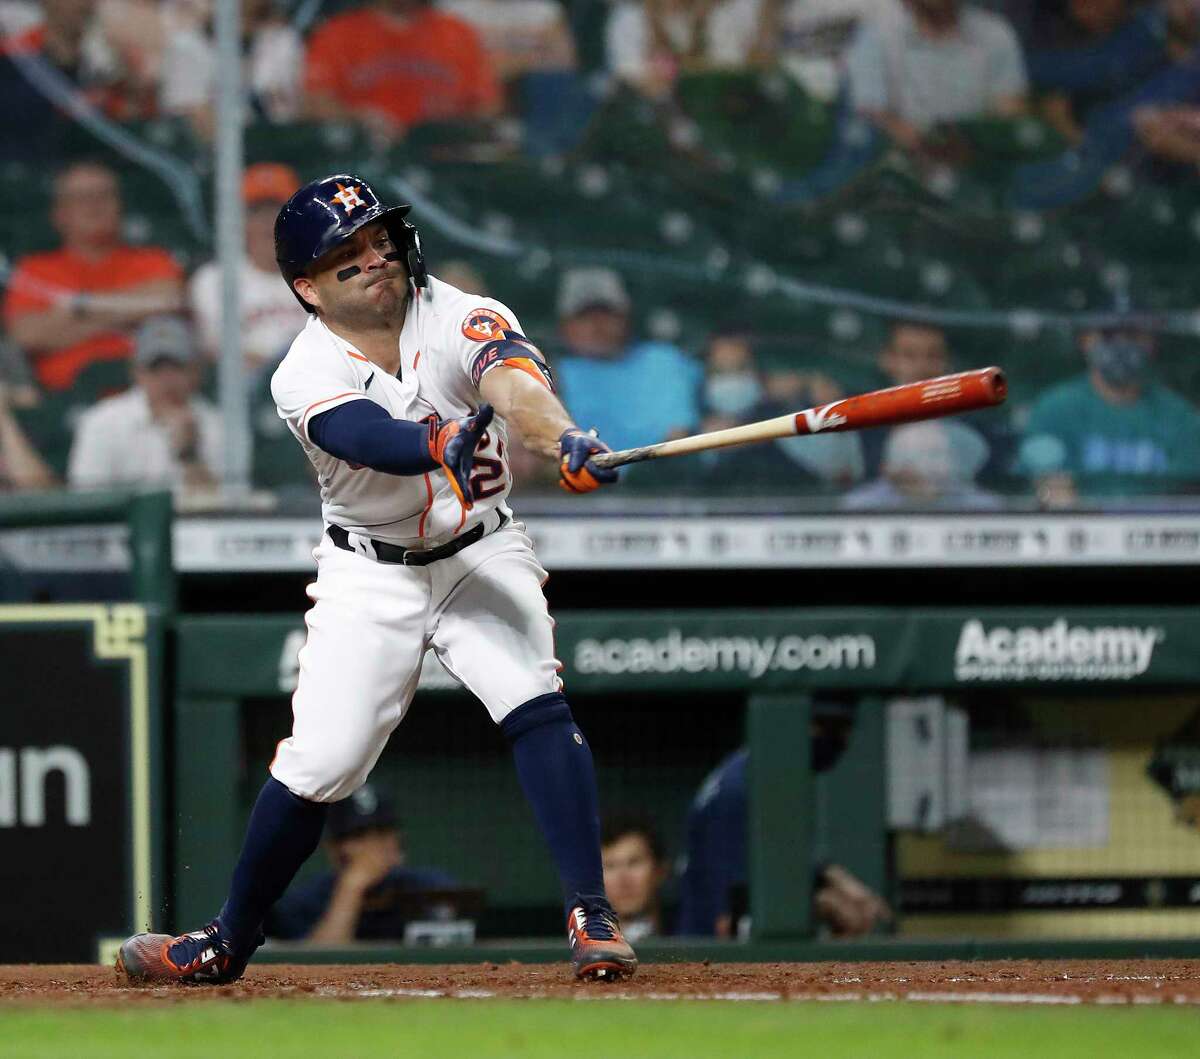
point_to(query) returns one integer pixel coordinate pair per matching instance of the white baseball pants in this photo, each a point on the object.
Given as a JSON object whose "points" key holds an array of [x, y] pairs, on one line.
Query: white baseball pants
{"points": [[481, 610]]}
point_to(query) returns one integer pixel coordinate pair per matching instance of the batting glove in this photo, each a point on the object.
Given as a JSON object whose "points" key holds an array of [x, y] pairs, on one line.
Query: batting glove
{"points": [[576, 471], [452, 442]]}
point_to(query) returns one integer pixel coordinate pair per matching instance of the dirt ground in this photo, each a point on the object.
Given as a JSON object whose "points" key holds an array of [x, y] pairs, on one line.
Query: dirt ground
{"points": [[1017, 981]]}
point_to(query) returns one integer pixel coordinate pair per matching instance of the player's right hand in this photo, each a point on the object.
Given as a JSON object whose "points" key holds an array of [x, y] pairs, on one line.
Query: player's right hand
{"points": [[576, 471], [452, 442]]}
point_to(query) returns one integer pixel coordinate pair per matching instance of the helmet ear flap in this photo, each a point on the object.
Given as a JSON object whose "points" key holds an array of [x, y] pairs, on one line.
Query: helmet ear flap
{"points": [[406, 237]]}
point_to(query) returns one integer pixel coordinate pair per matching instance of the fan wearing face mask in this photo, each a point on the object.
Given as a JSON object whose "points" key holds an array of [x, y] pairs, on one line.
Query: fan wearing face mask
{"points": [[736, 390], [1114, 430]]}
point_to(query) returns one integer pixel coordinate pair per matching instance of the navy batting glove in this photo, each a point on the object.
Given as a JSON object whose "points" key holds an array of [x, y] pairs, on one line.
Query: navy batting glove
{"points": [[452, 442], [576, 471]]}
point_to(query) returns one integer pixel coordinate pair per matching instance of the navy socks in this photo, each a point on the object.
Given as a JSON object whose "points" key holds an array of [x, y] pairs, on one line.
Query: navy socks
{"points": [[282, 834], [554, 765]]}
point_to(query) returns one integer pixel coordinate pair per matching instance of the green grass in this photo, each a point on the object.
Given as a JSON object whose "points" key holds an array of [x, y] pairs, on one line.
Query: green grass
{"points": [[603, 1029]]}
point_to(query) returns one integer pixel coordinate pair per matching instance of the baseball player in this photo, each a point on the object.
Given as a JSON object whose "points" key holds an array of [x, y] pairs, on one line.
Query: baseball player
{"points": [[400, 389]]}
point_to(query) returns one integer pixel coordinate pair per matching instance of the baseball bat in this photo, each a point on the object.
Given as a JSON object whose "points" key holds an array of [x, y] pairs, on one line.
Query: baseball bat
{"points": [[910, 403]]}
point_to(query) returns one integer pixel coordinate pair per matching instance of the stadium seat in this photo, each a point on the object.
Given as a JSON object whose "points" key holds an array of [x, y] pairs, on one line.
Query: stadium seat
{"points": [[279, 464], [761, 118], [49, 425], [312, 148]]}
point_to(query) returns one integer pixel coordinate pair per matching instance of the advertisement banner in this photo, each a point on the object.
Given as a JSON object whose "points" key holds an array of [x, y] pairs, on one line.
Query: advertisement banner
{"points": [[777, 650], [76, 778]]}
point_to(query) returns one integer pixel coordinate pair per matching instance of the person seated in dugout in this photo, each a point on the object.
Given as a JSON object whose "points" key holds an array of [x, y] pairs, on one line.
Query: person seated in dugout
{"points": [[714, 877], [635, 870], [370, 894]]}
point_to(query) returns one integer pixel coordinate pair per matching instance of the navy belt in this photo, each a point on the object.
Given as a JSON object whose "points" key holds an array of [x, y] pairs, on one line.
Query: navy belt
{"points": [[394, 553]]}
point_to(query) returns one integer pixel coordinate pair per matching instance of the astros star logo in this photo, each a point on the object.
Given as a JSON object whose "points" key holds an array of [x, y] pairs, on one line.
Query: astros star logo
{"points": [[348, 198]]}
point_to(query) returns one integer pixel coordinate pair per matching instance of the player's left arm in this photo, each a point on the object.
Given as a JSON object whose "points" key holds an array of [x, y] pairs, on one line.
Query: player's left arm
{"points": [[517, 383]]}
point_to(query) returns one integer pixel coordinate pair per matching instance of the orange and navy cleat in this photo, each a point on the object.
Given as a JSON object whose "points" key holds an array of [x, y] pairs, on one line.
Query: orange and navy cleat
{"points": [[598, 950], [204, 956]]}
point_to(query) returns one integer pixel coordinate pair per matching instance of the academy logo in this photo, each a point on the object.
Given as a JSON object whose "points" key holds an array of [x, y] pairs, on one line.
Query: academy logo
{"points": [[752, 656], [483, 325], [823, 418], [348, 198], [1057, 651]]}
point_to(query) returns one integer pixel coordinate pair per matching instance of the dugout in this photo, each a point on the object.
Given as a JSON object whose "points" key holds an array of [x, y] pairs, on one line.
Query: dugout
{"points": [[663, 695]]}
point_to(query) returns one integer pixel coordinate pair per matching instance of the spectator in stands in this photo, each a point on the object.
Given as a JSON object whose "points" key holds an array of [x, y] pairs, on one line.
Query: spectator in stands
{"points": [[635, 869], [631, 392], [273, 57], [651, 42], [809, 37], [398, 63], [1171, 133], [934, 62], [70, 307], [16, 376], [914, 350], [1092, 53], [159, 432], [715, 875], [21, 467], [1170, 129], [736, 390], [45, 67], [1114, 127], [928, 465], [271, 316], [520, 36], [1114, 430], [370, 895]]}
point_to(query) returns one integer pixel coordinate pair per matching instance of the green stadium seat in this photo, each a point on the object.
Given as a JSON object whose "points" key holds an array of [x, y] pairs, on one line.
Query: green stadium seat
{"points": [[1059, 277], [1153, 225], [49, 425], [278, 463], [312, 148], [760, 118], [1008, 141]]}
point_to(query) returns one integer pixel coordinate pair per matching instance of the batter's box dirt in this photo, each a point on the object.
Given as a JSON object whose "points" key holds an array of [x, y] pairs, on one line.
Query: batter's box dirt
{"points": [[1017, 981]]}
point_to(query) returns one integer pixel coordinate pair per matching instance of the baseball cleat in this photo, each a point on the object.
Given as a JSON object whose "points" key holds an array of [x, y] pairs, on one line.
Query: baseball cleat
{"points": [[204, 956], [598, 950]]}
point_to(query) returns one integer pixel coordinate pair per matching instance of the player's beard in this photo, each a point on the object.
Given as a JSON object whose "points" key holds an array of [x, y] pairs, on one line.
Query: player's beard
{"points": [[372, 310]]}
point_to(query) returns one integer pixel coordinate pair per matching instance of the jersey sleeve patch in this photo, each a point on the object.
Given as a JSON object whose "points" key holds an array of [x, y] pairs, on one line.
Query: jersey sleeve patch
{"points": [[516, 351], [484, 325]]}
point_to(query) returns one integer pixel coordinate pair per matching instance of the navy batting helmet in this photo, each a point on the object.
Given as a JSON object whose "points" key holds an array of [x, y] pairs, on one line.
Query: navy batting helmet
{"points": [[328, 211]]}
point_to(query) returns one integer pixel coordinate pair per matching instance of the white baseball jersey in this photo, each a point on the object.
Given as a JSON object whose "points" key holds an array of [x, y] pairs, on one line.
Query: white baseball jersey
{"points": [[481, 610], [444, 335]]}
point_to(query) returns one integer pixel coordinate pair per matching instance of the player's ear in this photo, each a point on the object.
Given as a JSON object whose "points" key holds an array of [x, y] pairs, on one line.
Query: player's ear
{"points": [[307, 290]]}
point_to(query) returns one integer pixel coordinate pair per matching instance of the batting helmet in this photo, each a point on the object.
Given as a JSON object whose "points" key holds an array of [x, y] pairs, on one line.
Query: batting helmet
{"points": [[328, 211]]}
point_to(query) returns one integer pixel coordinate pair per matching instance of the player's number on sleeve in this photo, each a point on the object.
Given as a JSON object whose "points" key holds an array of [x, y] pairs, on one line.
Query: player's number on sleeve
{"points": [[486, 470]]}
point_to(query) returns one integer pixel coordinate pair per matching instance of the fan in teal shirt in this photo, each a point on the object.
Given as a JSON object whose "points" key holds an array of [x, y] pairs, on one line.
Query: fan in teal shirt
{"points": [[641, 397], [1115, 430], [631, 393]]}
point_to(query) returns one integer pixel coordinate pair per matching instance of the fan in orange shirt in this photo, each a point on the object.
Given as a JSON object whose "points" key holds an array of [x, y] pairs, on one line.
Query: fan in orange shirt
{"points": [[396, 64], [70, 307]]}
